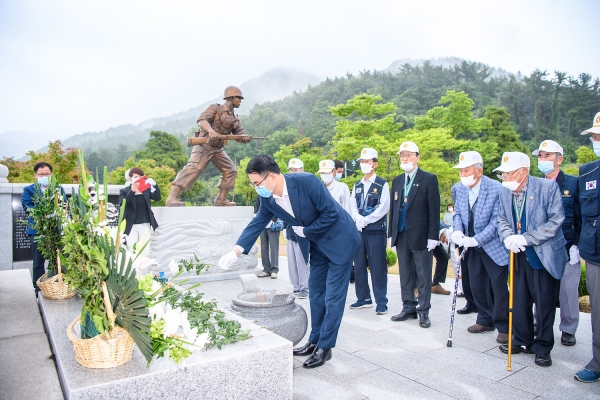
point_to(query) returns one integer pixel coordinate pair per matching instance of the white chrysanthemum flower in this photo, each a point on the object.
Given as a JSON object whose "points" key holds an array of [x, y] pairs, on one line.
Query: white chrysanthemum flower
{"points": [[172, 319], [201, 340], [156, 312], [173, 266]]}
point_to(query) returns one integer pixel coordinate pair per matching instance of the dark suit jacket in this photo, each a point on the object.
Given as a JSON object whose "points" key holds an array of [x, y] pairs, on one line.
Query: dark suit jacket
{"points": [[423, 212], [329, 229], [27, 203], [569, 189], [130, 209]]}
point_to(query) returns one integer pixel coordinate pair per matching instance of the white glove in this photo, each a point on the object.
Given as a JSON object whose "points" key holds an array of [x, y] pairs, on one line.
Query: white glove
{"points": [[299, 230], [285, 234], [152, 183], [456, 237], [469, 242], [227, 260], [515, 243], [574, 255], [360, 223], [432, 244]]}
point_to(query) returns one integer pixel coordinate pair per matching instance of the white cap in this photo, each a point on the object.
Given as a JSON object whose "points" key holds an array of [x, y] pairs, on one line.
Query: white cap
{"points": [[512, 161], [127, 177], [408, 146], [295, 163], [550, 146], [595, 126], [368, 154], [326, 166], [468, 158]]}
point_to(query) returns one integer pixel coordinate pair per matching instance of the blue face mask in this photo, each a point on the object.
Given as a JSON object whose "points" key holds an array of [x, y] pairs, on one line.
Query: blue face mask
{"points": [[263, 191], [596, 146], [338, 176], [43, 180], [546, 166]]}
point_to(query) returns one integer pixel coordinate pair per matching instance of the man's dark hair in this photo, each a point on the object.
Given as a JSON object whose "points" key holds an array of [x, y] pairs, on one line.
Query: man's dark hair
{"points": [[261, 165], [338, 164], [136, 171], [41, 165]]}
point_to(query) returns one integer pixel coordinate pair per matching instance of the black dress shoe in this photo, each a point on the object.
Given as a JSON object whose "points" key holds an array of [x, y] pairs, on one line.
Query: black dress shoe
{"points": [[305, 350], [403, 316], [515, 349], [424, 321], [567, 339], [467, 310], [318, 358], [543, 360]]}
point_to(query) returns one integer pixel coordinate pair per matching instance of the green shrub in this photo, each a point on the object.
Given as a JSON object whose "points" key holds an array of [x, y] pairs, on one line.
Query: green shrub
{"points": [[582, 286], [390, 257]]}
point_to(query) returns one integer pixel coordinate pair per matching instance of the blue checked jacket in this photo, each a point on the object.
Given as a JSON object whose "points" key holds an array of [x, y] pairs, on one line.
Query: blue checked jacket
{"points": [[485, 221]]}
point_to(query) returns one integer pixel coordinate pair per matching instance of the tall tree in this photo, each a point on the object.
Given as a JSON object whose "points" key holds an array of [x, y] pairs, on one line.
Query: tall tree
{"points": [[165, 149]]}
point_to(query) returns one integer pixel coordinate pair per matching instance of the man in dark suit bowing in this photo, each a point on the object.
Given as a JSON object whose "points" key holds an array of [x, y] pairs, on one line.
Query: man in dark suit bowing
{"points": [[414, 230], [324, 230]]}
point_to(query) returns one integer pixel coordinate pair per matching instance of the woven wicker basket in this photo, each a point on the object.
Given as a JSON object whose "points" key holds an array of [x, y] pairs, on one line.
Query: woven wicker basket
{"points": [[55, 288], [108, 350]]}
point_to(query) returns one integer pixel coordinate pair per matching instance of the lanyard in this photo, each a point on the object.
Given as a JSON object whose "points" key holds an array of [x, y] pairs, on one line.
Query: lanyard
{"points": [[519, 210], [408, 187]]}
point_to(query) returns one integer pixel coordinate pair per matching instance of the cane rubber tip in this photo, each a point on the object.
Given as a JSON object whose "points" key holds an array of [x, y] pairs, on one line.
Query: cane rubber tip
{"points": [[449, 344], [509, 368]]}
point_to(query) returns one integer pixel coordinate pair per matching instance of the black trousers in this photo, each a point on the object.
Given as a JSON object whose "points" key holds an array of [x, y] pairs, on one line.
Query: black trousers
{"points": [[534, 286], [371, 253], [441, 265], [38, 261], [464, 272], [489, 287]]}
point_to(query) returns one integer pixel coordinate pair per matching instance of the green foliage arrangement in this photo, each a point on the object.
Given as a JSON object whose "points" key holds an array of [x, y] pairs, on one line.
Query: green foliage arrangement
{"points": [[48, 215]]}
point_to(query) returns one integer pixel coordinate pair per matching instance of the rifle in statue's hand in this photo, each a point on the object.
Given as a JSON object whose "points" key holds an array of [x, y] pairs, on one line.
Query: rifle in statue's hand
{"points": [[193, 141]]}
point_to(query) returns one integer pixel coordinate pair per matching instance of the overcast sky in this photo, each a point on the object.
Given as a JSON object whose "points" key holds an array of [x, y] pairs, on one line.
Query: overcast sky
{"points": [[71, 66]]}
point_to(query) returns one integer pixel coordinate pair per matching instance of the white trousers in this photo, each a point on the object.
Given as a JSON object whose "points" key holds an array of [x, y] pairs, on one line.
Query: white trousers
{"points": [[140, 235]]}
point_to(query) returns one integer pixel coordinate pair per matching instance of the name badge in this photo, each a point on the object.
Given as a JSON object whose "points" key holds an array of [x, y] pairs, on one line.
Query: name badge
{"points": [[590, 185], [395, 196]]}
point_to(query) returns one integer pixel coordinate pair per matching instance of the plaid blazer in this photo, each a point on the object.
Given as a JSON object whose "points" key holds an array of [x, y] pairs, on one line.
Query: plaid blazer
{"points": [[485, 218]]}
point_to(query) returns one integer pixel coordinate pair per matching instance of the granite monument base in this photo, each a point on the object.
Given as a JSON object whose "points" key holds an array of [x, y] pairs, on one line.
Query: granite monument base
{"points": [[257, 368], [208, 232]]}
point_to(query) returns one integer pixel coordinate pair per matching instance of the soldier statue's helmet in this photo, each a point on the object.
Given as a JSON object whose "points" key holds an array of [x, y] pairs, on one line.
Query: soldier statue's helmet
{"points": [[232, 91]]}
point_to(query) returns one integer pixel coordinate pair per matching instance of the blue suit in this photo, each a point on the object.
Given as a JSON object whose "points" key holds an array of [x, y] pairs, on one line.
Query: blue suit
{"points": [[331, 240], [484, 268]]}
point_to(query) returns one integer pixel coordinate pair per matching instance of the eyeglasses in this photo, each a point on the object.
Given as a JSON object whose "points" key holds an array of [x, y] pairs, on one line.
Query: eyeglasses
{"points": [[594, 139], [505, 175], [255, 186], [44, 175]]}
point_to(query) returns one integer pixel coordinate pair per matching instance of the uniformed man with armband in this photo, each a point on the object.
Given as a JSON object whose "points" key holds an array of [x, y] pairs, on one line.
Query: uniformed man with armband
{"points": [[371, 204]]}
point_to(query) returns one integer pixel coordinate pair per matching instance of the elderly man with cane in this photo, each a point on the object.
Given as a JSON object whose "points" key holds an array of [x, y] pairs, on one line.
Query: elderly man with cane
{"points": [[530, 218], [476, 229]]}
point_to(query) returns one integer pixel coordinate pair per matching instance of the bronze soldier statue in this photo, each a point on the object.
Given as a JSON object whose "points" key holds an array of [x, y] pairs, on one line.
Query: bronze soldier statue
{"points": [[216, 120]]}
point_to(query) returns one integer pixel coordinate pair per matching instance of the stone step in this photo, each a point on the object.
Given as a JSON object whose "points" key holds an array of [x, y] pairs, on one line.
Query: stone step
{"points": [[28, 371]]}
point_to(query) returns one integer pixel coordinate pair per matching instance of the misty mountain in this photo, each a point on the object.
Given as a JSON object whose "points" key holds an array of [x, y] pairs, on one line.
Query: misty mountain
{"points": [[272, 85], [444, 62], [16, 143]]}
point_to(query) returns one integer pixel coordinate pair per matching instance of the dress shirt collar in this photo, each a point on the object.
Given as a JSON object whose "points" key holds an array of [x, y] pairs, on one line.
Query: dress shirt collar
{"points": [[411, 174], [370, 180], [284, 192], [475, 189]]}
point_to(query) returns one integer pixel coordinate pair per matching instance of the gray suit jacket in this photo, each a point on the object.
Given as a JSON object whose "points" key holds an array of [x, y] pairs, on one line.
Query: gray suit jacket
{"points": [[544, 218]]}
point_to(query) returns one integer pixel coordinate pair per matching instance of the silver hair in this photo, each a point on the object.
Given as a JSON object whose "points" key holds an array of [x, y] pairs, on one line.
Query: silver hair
{"points": [[478, 165]]}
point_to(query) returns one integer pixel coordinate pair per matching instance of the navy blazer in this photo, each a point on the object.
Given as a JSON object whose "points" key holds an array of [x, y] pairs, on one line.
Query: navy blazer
{"points": [[327, 226]]}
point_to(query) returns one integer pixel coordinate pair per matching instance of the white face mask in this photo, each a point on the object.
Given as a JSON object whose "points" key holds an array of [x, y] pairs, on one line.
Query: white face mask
{"points": [[450, 209], [408, 167], [512, 185], [366, 168], [596, 146], [327, 178], [468, 181]]}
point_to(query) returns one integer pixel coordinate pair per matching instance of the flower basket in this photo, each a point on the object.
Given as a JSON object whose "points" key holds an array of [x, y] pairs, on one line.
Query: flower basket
{"points": [[108, 350], [55, 288]]}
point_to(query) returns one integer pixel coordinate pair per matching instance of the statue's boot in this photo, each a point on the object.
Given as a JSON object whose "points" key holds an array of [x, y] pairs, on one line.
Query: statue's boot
{"points": [[173, 199], [221, 199]]}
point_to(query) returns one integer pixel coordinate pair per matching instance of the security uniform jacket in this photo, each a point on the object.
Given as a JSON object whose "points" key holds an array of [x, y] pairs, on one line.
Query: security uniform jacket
{"points": [[130, 208], [327, 226], [485, 217], [569, 189], [589, 187], [423, 209], [544, 216]]}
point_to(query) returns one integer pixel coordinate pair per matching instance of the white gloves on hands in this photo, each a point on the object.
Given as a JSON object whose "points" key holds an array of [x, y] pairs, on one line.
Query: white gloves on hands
{"points": [[432, 244], [360, 223], [228, 259], [299, 230], [457, 237], [153, 183], [469, 242], [574, 255], [515, 243]]}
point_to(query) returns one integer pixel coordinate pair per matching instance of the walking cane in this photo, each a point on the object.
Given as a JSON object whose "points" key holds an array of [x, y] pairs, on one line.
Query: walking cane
{"points": [[449, 344], [510, 309]]}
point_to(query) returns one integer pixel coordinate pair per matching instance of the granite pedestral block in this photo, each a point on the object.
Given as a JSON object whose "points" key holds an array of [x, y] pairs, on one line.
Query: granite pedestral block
{"points": [[209, 232], [257, 368]]}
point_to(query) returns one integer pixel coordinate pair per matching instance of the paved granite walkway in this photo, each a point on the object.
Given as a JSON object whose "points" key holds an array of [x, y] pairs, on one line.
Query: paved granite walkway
{"points": [[376, 358]]}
